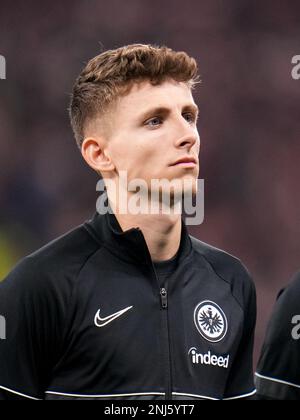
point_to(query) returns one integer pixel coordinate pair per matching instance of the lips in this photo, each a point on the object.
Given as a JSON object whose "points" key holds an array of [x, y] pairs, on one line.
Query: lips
{"points": [[189, 161]]}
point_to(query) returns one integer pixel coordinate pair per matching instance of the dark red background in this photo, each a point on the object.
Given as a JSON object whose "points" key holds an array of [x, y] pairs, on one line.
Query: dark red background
{"points": [[249, 122]]}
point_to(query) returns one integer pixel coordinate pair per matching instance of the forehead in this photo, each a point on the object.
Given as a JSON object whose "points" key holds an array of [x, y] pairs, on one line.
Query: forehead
{"points": [[127, 111], [167, 94]]}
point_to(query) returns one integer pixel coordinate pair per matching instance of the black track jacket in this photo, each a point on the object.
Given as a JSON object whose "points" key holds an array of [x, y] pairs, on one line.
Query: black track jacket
{"points": [[278, 372], [86, 317]]}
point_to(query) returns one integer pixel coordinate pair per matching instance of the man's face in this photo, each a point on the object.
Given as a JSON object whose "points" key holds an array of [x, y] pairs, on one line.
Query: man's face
{"points": [[152, 127]]}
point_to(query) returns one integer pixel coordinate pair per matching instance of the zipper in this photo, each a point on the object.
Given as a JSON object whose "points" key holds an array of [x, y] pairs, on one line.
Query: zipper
{"points": [[166, 342], [165, 336], [164, 298]]}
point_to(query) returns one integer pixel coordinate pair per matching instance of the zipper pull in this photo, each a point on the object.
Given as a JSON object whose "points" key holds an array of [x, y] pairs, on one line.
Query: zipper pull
{"points": [[164, 298]]}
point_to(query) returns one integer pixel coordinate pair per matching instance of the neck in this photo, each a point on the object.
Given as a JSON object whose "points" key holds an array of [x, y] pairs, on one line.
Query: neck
{"points": [[162, 232]]}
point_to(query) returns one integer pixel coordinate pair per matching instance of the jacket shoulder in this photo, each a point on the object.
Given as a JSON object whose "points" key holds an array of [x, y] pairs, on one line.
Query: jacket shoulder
{"points": [[226, 266], [57, 262], [291, 293], [71, 248]]}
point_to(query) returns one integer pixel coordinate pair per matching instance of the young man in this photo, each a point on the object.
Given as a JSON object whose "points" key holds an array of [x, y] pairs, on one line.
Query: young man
{"points": [[130, 306], [278, 373]]}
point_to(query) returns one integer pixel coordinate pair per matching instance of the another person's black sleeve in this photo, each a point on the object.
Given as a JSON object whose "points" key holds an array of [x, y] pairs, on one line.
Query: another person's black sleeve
{"points": [[278, 372]]}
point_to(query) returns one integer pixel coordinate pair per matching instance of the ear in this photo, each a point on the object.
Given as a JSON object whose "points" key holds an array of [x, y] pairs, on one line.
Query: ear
{"points": [[95, 155]]}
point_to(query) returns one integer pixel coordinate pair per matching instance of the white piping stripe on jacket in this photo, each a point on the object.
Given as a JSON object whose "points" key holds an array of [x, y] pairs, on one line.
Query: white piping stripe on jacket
{"points": [[105, 396], [214, 399], [241, 396], [277, 380], [18, 393], [137, 394], [182, 394]]}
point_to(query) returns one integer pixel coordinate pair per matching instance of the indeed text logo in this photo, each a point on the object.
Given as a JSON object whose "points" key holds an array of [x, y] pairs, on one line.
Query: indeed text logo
{"points": [[208, 359], [2, 328], [2, 67]]}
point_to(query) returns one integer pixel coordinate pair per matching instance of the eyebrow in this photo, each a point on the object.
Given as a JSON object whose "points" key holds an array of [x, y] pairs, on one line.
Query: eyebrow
{"points": [[160, 110]]}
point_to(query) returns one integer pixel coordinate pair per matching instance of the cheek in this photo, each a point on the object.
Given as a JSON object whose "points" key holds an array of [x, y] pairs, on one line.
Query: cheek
{"points": [[149, 165], [123, 154], [143, 158], [138, 161]]}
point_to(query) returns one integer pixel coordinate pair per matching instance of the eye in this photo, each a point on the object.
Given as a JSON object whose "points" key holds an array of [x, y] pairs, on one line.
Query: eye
{"points": [[154, 122], [190, 117]]}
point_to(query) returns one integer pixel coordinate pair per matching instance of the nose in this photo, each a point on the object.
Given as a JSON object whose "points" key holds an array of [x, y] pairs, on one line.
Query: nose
{"points": [[189, 138]]}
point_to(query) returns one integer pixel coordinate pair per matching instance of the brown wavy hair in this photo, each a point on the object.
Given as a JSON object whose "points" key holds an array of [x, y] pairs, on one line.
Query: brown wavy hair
{"points": [[112, 73]]}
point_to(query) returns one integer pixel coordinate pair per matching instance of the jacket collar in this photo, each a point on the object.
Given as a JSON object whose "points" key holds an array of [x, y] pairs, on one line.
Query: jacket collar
{"points": [[130, 245]]}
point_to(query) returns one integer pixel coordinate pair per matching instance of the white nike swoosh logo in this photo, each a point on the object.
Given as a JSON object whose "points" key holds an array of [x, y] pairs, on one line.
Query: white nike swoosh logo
{"points": [[101, 322]]}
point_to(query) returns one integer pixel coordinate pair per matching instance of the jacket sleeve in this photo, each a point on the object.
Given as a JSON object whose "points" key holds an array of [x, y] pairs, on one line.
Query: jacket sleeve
{"points": [[240, 384], [278, 371], [31, 317]]}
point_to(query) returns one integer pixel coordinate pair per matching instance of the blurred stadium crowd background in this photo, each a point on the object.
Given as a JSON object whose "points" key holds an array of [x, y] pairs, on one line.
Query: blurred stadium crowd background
{"points": [[249, 122]]}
